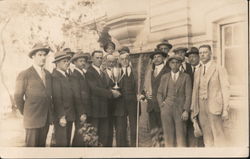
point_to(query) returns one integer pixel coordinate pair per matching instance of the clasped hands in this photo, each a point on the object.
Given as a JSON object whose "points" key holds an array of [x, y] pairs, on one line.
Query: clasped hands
{"points": [[116, 93]]}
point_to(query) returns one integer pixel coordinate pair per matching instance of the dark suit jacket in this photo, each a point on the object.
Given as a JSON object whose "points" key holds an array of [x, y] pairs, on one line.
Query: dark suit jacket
{"points": [[37, 105], [62, 96], [127, 103], [188, 69], [183, 91], [99, 93], [155, 83], [81, 93]]}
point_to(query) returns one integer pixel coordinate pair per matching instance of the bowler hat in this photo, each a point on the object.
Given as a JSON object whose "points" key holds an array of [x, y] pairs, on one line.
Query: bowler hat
{"points": [[192, 50], [124, 49], [39, 47], [60, 55], [180, 49], [80, 55], [156, 52], [177, 57], [164, 42]]}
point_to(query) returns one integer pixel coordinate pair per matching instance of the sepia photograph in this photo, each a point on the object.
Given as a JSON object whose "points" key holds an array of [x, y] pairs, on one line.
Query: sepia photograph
{"points": [[124, 78]]}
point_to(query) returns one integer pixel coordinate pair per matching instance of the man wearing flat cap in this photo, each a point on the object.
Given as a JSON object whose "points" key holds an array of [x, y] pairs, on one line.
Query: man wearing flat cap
{"points": [[159, 69], [33, 97], [63, 102], [174, 98], [185, 67], [81, 94]]}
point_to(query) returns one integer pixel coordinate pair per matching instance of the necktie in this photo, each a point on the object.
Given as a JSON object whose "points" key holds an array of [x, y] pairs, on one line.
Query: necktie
{"points": [[204, 70], [194, 70], [155, 72], [126, 72], [43, 76], [182, 68]]}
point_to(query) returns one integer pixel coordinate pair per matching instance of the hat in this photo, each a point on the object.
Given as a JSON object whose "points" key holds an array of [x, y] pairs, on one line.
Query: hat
{"points": [[79, 55], [107, 44], [124, 49], [39, 47], [164, 42], [157, 51], [60, 55], [192, 50], [180, 49], [177, 57], [68, 51]]}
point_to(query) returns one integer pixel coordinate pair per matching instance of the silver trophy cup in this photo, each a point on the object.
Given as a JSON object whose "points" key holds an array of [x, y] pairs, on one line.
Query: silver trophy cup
{"points": [[117, 74]]}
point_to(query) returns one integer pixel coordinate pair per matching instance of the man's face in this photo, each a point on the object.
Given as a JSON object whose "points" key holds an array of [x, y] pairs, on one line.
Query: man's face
{"points": [[164, 48], [39, 58], [97, 59], [80, 63], [158, 59], [124, 60], [194, 59], [111, 63], [174, 65], [63, 64], [180, 53], [205, 54], [110, 49]]}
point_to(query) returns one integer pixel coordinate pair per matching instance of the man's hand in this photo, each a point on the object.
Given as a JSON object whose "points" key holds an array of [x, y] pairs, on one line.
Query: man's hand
{"points": [[83, 117], [62, 121], [225, 115], [116, 93], [184, 116]]}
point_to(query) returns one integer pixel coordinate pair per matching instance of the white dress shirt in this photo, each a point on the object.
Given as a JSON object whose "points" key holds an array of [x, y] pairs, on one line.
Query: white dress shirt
{"points": [[128, 70], [175, 76], [207, 65], [97, 69], [158, 69], [38, 70], [196, 67], [109, 72]]}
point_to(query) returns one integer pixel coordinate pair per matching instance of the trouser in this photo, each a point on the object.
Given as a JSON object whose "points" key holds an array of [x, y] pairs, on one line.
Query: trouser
{"points": [[132, 117], [154, 119], [102, 127], [111, 121], [193, 141], [63, 134], [36, 137], [211, 126], [121, 131], [78, 140], [174, 129]]}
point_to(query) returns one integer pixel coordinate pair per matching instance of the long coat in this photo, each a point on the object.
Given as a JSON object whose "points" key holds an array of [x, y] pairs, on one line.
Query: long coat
{"points": [[62, 96], [37, 105], [217, 90], [99, 93]]}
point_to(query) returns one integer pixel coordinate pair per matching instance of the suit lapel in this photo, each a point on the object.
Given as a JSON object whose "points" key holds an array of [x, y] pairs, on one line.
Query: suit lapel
{"points": [[36, 75], [160, 73], [210, 71], [179, 81], [166, 88]]}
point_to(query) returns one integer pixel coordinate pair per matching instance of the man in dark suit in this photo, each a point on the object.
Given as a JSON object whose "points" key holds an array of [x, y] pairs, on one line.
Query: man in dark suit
{"points": [[71, 66], [165, 47], [81, 94], [63, 100], [99, 95], [126, 105], [159, 69], [33, 98], [185, 67], [174, 98]]}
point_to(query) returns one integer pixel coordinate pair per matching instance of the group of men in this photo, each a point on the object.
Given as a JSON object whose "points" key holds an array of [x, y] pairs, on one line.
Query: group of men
{"points": [[182, 95], [178, 93]]}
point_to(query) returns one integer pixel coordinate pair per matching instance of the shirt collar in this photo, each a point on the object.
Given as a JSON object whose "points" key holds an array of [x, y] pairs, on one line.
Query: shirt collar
{"points": [[159, 67], [62, 72], [207, 64], [177, 73], [76, 68], [97, 68], [128, 69], [84, 70]]}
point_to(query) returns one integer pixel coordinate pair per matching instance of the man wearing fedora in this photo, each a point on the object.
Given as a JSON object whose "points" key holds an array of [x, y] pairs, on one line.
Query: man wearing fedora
{"points": [[62, 100], [71, 67], [33, 97], [174, 98], [165, 47], [81, 94], [210, 98], [194, 59], [156, 74], [99, 95], [185, 67]]}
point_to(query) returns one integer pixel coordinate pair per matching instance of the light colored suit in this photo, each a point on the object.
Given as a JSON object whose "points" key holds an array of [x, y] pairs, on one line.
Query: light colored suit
{"points": [[177, 99], [214, 102]]}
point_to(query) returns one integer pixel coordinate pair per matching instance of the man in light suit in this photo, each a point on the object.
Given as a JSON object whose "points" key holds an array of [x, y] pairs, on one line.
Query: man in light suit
{"points": [[33, 97], [174, 98], [99, 95], [210, 98], [63, 100]]}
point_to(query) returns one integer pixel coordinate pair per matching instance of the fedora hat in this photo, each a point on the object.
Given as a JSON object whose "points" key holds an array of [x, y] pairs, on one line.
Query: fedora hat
{"points": [[164, 42], [69, 51], [192, 50], [156, 52], [180, 49], [80, 55], [60, 55], [177, 57], [39, 47]]}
